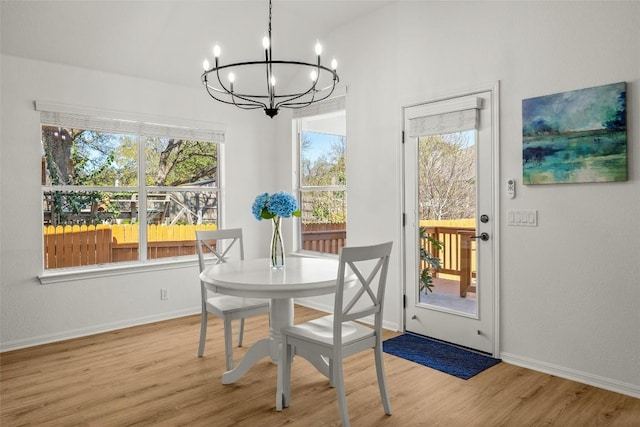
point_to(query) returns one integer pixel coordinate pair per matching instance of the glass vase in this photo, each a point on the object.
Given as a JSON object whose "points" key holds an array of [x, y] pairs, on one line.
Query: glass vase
{"points": [[277, 246]]}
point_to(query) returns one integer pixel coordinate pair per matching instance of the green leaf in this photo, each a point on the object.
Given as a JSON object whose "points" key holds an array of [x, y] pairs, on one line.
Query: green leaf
{"points": [[265, 214]]}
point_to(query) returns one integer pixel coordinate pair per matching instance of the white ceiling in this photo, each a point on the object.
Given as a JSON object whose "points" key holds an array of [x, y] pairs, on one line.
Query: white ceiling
{"points": [[168, 40]]}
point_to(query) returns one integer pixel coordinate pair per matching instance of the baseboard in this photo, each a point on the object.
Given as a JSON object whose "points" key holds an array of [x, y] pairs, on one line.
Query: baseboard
{"points": [[573, 375], [313, 304], [108, 327]]}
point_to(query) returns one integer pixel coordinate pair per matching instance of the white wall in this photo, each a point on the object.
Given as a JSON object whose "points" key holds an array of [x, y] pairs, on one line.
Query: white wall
{"points": [[569, 287], [34, 313]]}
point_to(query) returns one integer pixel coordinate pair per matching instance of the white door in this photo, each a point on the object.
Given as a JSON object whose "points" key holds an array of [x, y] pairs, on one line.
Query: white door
{"points": [[450, 194]]}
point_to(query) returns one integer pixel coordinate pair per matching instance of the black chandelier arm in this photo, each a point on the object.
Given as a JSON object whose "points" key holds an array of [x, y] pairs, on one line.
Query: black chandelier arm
{"points": [[310, 90], [287, 103], [291, 97], [250, 102], [247, 106], [303, 104], [250, 105]]}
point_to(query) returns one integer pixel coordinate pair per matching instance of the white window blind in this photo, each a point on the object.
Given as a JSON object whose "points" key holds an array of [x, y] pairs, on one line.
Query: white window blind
{"points": [[448, 116], [52, 115], [327, 106]]}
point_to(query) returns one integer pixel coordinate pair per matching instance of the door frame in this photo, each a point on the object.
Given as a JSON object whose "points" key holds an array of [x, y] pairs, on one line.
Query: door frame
{"points": [[496, 190]]}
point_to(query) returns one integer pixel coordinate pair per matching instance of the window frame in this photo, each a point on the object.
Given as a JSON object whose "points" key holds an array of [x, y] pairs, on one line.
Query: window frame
{"points": [[144, 127], [336, 108]]}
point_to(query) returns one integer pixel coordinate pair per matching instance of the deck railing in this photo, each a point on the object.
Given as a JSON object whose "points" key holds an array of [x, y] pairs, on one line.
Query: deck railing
{"points": [[457, 253]]}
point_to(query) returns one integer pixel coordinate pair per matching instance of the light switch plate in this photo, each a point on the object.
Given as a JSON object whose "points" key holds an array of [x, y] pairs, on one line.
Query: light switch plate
{"points": [[522, 218]]}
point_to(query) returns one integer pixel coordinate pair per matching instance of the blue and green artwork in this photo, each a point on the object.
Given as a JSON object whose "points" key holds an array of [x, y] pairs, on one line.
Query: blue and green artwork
{"points": [[576, 136]]}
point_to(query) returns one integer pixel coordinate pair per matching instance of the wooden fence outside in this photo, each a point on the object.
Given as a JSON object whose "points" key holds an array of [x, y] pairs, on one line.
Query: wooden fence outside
{"points": [[78, 245]]}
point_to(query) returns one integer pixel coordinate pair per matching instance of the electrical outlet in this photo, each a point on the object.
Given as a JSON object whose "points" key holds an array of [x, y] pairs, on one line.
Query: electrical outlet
{"points": [[164, 294]]}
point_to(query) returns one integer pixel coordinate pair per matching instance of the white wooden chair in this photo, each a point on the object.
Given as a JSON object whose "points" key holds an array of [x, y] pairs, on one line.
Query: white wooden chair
{"points": [[338, 336], [226, 307]]}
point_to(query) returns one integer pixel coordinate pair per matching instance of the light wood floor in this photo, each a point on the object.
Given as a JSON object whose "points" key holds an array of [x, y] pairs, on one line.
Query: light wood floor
{"points": [[150, 375]]}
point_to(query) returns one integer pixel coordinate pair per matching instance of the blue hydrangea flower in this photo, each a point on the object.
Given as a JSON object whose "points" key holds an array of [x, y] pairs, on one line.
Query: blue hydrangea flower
{"points": [[259, 205], [282, 204], [278, 204]]}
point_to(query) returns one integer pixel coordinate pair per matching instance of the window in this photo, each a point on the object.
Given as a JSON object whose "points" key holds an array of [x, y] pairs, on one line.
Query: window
{"points": [[116, 191], [321, 147]]}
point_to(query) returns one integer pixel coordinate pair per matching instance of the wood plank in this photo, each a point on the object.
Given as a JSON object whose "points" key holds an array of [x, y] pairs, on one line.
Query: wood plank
{"points": [[150, 375]]}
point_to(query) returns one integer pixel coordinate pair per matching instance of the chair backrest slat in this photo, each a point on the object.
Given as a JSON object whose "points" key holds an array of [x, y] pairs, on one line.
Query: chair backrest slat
{"points": [[208, 253], [229, 236], [369, 288]]}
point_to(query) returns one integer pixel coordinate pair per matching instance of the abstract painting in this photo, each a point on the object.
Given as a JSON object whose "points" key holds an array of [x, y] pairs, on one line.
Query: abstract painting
{"points": [[576, 136]]}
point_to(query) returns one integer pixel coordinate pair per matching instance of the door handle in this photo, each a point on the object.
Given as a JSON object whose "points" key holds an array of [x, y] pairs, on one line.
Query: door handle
{"points": [[483, 236]]}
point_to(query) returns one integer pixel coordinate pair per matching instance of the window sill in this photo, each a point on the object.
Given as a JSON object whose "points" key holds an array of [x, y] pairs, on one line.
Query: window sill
{"points": [[62, 275], [106, 270]]}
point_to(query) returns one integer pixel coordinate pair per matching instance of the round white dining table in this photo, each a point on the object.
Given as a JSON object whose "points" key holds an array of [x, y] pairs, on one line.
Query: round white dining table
{"points": [[301, 277]]}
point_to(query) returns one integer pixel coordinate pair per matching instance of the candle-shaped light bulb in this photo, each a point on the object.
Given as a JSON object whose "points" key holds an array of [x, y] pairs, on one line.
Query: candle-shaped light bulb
{"points": [[334, 64], [265, 42], [205, 65], [318, 48], [216, 51], [314, 75], [273, 81], [232, 78]]}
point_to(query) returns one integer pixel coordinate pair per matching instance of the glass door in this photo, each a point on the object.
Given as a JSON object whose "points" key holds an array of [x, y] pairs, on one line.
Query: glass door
{"points": [[450, 229]]}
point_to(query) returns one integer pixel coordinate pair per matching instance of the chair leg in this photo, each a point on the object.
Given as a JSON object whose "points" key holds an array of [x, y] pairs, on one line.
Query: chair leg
{"points": [[241, 333], [286, 361], [331, 381], [282, 366], [228, 344], [203, 333], [382, 383], [338, 375]]}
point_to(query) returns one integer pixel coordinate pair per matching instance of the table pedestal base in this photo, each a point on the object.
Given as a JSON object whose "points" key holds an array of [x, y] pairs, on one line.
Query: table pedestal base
{"points": [[280, 315]]}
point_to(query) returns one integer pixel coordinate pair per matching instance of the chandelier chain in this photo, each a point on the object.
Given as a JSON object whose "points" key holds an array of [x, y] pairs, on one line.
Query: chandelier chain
{"points": [[270, 20]]}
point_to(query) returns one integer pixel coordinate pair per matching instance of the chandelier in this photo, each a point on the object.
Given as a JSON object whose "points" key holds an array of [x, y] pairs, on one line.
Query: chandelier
{"points": [[322, 85]]}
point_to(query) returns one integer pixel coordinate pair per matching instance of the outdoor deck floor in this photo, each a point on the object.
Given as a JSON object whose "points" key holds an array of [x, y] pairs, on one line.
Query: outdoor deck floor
{"points": [[446, 294]]}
